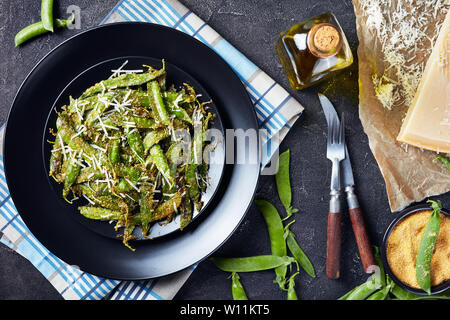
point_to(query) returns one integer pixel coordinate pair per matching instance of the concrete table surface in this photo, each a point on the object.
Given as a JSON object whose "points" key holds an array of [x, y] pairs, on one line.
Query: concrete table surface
{"points": [[252, 26]]}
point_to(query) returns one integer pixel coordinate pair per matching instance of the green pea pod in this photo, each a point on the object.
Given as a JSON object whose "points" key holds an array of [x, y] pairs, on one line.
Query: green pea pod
{"points": [[345, 296], [291, 294], [97, 213], [380, 295], [299, 254], [135, 142], [140, 122], [73, 170], [121, 81], [146, 208], [114, 154], [251, 264], [401, 294], [47, 14], [186, 214], [167, 207], [172, 101], [363, 291], [154, 136], [37, 29], [444, 160], [56, 160], [426, 247], [159, 159], [237, 290], [68, 135], [283, 183], [276, 234], [88, 174], [157, 103]]}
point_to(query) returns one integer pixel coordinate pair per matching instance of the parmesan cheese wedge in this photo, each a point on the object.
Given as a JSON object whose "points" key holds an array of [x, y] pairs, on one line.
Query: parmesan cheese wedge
{"points": [[427, 122]]}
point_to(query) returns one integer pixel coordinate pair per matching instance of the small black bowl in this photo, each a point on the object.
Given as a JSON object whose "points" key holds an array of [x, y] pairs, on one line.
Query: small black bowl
{"points": [[403, 214]]}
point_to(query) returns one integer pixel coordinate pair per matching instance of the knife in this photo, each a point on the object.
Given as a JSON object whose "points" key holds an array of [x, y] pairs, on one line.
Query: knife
{"points": [[356, 215]]}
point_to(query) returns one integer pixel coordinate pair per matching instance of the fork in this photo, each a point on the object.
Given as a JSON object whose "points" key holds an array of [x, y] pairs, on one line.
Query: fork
{"points": [[335, 153]]}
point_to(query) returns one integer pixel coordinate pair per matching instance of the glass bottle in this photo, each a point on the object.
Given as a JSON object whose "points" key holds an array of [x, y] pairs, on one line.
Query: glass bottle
{"points": [[313, 50]]}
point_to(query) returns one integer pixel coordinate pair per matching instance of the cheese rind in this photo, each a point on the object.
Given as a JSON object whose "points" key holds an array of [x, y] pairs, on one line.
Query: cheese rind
{"points": [[427, 122]]}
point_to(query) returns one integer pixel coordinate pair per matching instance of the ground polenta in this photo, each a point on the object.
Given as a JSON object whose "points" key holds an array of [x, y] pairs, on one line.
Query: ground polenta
{"points": [[403, 243]]}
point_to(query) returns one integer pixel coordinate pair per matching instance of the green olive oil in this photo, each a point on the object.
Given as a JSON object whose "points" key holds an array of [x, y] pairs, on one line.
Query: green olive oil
{"points": [[313, 50]]}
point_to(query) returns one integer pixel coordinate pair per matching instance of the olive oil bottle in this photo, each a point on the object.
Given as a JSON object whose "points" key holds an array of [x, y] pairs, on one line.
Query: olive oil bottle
{"points": [[313, 50]]}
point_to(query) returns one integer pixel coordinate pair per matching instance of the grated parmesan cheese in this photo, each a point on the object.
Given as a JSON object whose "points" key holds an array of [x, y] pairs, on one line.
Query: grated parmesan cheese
{"points": [[402, 28]]}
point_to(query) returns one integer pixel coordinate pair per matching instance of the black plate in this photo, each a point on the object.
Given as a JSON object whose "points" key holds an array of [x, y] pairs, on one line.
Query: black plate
{"points": [[176, 77], [403, 214], [39, 205]]}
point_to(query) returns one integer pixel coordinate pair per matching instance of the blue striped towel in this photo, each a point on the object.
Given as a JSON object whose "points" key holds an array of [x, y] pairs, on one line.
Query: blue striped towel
{"points": [[276, 110]]}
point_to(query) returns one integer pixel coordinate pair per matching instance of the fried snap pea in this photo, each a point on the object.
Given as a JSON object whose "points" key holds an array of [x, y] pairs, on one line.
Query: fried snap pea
{"points": [[157, 103], [113, 148]]}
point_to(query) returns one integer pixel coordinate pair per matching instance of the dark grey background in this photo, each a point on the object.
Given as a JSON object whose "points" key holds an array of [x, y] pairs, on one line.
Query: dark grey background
{"points": [[253, 27]]}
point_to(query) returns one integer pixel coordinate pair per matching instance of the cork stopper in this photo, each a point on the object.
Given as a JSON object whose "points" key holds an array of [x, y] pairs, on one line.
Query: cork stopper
{"points": [[324, 40]]}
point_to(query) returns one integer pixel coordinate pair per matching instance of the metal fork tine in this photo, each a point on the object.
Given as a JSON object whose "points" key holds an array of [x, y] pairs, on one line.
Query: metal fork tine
{"points": [[330, 130], [342, 130], [335, 131]]}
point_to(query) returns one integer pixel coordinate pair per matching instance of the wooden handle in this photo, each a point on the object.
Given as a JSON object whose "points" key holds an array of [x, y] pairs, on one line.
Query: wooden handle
{"points": [[362, 239], [333, 245]]}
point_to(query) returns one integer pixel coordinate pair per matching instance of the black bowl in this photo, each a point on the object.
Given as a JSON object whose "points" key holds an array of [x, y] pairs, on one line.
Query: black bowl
{"points": [[53, 223], [403, 214]]}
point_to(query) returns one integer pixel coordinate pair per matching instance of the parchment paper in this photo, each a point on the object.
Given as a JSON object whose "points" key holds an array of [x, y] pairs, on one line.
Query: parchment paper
{"points": [[409, 172]]}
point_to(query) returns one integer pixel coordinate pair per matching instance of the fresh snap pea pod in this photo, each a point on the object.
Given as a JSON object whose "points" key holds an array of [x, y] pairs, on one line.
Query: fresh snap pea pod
{"points": [[363, 291], [426, 247], [157, 103], [97, 213], [237, 290], [283, 183], [381, 294], [167, 208], [37, 29], [47, 14], [401, 294], [299, 254], [251, 264], [121, 81], [114, 154], [154, 136], [158, 158], [444, 160], [276, 234], [291, 294], [345, 296], [70, 177], [56, 160], [136, 144]]}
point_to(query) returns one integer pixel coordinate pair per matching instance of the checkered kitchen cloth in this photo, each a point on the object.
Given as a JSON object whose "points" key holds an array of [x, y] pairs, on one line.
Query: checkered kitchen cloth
{"points": [[276, 110]]}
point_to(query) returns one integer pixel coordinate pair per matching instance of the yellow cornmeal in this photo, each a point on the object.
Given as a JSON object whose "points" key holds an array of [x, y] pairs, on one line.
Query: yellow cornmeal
{"points": [[403, 243]]}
